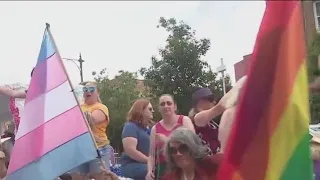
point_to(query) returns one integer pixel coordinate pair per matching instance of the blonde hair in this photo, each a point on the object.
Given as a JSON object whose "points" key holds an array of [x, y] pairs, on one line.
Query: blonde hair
{"points": [[86, 83]]}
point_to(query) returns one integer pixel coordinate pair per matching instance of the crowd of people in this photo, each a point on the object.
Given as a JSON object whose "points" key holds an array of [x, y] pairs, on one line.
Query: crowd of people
{"points": [[168, 149], [176, 147]]}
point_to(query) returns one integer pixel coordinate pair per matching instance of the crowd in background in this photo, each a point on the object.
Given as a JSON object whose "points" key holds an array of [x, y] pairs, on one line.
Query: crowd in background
{"points": [[176, 147], [162, 150]]}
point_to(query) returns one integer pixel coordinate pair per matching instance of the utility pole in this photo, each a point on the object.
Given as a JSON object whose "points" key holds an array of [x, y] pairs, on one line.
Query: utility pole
{"points": [[221, 69], [80, 68]]}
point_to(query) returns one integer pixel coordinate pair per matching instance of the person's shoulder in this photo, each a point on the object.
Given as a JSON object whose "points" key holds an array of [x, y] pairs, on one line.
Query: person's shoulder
{"points": [[158, 123], [130, 125], [185, 117], [100, 105]]}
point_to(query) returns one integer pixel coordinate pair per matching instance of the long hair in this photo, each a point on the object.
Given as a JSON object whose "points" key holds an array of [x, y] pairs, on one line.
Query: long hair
{"points": [[135, 113], [189, 138]]}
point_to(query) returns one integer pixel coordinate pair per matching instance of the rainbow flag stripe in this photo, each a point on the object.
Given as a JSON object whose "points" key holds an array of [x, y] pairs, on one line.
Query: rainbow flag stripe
{"points": [[270, 139]]}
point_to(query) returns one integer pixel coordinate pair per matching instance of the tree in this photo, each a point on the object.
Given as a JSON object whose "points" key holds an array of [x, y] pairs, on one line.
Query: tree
{"points": [[118, 94], [313, 71], [180, 67], [217, 87]]}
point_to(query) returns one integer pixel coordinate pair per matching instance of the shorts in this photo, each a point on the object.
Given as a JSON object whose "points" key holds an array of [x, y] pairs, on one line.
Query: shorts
{"points": [[95, 165]]}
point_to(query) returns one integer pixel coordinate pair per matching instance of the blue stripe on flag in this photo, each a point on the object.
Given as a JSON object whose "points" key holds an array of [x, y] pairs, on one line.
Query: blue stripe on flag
{"points": [[58, 161], [47, 48]]}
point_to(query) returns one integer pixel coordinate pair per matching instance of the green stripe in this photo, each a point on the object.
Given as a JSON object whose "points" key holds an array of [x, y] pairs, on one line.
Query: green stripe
{"points": [[299, 166]]}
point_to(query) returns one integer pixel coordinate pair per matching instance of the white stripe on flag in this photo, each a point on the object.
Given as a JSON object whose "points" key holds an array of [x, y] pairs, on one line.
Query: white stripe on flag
{"points": [[45, 107]]}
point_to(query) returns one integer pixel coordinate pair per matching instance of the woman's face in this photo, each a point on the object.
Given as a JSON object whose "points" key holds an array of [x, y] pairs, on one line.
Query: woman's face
{"points": [[90, 93], [166, 106], [180, 154], [148, 113]]}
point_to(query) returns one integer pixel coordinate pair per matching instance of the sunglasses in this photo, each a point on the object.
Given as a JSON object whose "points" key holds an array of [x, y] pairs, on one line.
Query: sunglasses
{"points": [[182, 149], [169, 103], [88, 89]]}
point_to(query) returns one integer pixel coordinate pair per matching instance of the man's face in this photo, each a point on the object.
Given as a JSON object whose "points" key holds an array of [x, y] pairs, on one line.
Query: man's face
{"points": [[204, 104]]}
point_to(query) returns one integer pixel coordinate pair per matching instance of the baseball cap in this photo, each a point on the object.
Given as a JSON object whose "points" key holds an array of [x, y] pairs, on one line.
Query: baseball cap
{"points": [[200, 94]]}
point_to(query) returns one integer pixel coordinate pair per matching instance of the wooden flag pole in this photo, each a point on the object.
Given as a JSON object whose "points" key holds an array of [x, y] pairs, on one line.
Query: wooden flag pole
{"points": [[84, 118]]}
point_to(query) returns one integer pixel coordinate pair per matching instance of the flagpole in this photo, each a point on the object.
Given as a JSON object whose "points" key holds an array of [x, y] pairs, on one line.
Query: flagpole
{"points": [[64, 68]]}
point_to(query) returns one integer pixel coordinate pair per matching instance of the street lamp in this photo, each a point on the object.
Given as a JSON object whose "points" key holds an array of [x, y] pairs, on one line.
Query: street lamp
{"points": [[221, 69], [80, 68]]}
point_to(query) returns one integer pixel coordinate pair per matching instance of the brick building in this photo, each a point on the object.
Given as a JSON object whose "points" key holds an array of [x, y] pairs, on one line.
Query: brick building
{"points": [[311, 18]]}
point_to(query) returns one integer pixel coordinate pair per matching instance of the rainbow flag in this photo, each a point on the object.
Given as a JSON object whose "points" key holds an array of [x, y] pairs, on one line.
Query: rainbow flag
{"points": [[53, 137], [270, 138]]}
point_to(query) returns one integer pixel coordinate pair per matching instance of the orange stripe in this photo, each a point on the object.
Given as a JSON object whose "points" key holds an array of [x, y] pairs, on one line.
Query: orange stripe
{"points": [[289, 61]]}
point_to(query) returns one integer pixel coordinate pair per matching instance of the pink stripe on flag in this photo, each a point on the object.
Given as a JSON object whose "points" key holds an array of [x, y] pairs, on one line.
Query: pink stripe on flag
{"points": [[46, 138], [47, 75], [46, 107]]}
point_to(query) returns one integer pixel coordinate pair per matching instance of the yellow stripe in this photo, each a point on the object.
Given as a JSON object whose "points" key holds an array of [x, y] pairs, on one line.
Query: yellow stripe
{"points": [[291, 127]]}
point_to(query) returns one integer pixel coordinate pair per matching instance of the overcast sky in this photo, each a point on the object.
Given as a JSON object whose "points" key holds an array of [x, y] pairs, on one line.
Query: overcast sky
{"points": [[120, 35]]}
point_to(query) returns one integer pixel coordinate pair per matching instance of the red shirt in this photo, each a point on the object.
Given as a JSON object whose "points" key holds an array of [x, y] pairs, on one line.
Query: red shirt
{"points": [[209, 135], [206, 169]]}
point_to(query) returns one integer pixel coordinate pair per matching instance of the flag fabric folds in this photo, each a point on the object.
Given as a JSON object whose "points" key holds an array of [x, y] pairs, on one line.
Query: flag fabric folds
{"points": [[270, 138], [53, 137]]}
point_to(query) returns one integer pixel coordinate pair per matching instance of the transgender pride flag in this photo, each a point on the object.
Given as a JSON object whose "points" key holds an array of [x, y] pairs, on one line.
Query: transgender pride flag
{"points": [[53, 137]]}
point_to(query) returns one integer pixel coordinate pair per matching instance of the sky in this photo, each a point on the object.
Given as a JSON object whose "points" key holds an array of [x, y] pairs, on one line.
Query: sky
{"points": [[120, 35]]}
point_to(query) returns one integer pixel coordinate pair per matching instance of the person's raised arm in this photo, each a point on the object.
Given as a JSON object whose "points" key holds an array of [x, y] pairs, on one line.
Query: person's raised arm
{"points": [[130, 141], [202, 118], [227, 101], [12, 93], [225, 126]]}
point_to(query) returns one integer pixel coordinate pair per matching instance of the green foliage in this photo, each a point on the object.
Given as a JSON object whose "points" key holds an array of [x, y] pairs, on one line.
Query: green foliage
{"points": [[313, 53], [118, 94], [180, 67], [313, 71]]}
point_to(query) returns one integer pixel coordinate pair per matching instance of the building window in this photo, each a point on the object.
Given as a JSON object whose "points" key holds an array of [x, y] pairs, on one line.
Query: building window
{"points": [[316, 10]]}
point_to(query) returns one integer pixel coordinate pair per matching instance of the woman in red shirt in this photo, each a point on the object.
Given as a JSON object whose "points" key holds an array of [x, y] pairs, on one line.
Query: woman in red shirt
{"points": [[187, 157]]}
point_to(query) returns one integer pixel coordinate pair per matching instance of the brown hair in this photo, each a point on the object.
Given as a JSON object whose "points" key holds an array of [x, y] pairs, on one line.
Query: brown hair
{"points": [[135, 113]]}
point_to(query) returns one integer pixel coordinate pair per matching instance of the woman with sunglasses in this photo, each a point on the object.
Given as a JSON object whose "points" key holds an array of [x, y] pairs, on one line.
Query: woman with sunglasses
{"points": [[161, 131], [136, 141], [97, 115], [187, 157]]}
